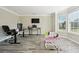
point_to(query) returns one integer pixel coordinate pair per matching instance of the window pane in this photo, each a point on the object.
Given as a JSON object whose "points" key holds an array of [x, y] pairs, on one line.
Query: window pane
{"points": [[74, 21], [62, 22]]}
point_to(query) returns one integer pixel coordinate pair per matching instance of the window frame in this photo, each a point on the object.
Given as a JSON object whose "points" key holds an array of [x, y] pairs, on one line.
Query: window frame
{"points": [[68, 11], [62, 14]]}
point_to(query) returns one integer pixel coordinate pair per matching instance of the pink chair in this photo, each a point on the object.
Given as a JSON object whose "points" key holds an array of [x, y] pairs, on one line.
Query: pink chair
{"points": [[53, 42], [50, 40]]}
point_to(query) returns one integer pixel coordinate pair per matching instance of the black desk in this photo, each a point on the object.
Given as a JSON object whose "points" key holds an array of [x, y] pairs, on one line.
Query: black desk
{"points": [[32, 29]]}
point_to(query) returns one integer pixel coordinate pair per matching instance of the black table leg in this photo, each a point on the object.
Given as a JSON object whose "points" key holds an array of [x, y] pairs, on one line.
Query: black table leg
{"points": [[37, 31], [40, 31], [23, 33], [29, 31]]}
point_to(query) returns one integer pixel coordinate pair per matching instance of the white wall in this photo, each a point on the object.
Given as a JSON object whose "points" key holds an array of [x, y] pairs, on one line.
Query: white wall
{"points": [[53, 22], [7, 18], [46, 22]]}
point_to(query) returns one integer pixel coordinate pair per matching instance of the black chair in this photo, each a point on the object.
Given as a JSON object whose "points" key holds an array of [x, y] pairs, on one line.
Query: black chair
{"points": [[12, 32], [20, 26]]}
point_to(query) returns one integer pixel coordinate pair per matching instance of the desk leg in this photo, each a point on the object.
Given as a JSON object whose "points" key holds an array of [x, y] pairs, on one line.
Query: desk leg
{"points": [[37, 31], [23, 33], [40, 31], [29, 31]]}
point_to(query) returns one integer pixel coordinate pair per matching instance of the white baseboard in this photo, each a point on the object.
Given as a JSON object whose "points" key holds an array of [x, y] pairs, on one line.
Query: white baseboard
{"points": [[71, 39]]}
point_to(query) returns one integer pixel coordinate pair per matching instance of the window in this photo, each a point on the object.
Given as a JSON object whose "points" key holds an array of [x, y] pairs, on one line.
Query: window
{"points": [[62, 23], [74, 21]]}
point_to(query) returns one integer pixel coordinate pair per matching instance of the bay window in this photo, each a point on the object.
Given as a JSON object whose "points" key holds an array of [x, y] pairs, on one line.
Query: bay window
{"points": [[73, 19], [69, 21]]}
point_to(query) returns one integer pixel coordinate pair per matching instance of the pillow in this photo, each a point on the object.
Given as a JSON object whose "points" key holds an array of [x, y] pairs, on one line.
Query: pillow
{"points": [[54, 34]]}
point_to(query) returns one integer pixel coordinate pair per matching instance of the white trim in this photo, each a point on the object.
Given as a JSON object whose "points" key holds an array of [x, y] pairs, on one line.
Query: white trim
{"points": [[75, 33], [62, 30], [23, 15], [8, 10], [71, 40], [37, 15], [56, 22]]}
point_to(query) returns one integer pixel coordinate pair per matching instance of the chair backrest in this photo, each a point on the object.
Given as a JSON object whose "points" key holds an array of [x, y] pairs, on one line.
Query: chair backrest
{"points": [[20, 26], [5, 28], [54, 34], [2, 33]]}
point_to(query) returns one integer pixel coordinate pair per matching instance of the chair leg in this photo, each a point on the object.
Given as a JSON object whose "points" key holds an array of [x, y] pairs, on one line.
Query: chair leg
{"points": [[15, 40]]}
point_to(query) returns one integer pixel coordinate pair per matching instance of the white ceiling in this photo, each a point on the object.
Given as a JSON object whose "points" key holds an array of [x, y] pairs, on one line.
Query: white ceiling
{"points": [[35, 10]]}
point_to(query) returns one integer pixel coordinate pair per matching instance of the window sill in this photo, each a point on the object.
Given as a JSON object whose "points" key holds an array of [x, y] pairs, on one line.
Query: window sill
{"points": [[75, 33], [62, 31]]}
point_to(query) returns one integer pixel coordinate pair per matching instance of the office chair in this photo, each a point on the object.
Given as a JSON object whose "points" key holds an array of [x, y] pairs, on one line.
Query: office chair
{"points": [[9, 31], [20, 26]]}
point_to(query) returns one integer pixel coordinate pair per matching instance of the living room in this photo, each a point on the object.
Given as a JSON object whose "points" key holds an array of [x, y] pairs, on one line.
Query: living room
{"points": [[51, 19]]}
